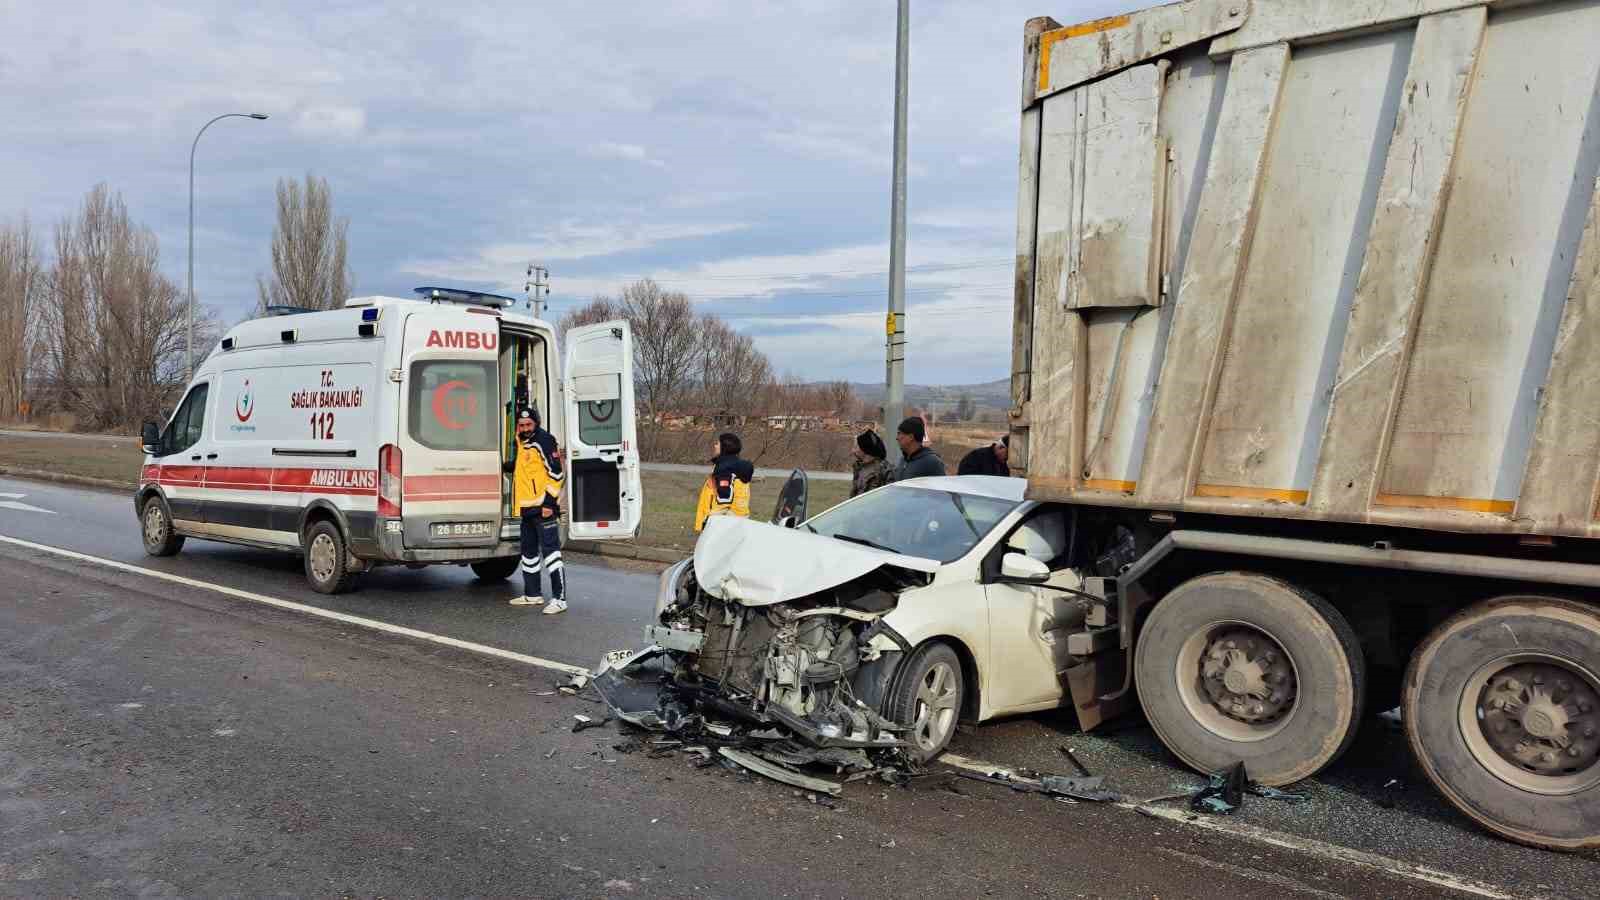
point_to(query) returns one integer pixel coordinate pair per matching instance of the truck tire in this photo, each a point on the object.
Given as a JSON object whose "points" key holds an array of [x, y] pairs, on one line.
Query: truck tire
{"points": [[1502, 710], [156, 525], [927, 698], [1235, 667], [496, 569], [328, 560]]}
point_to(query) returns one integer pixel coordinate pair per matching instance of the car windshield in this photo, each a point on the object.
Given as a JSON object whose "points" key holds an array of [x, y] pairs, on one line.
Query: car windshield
{"points": [[941, 525]]}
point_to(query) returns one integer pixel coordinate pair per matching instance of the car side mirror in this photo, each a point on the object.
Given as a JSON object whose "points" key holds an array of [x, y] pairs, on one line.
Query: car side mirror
{"points": [[788, 522], [1024, 568], [150, 437]]}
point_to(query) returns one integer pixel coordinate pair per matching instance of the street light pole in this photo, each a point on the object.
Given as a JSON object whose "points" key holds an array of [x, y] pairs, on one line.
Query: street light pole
{"points": [[188, 344], [895, 347]]}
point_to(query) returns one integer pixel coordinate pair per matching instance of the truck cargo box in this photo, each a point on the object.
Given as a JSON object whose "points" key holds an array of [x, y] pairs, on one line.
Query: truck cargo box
{"points": [[1331, 261]]}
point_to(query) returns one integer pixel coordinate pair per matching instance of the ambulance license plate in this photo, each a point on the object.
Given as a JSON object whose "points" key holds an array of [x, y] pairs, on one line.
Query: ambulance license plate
{"points": [[463, 529]]}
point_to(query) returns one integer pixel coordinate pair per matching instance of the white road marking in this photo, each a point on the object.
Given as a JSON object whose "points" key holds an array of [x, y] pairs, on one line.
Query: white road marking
{"points": [[1271, 878], [346, 618], [14, 501], [1360, 858]]}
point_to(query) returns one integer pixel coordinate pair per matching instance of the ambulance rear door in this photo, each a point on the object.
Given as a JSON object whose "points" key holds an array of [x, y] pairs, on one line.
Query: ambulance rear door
{"points": [[601, 440], [449, 464]]}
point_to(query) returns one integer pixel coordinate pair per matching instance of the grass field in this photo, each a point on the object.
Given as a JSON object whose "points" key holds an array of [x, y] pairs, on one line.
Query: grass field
{"points": [[669, 497]]}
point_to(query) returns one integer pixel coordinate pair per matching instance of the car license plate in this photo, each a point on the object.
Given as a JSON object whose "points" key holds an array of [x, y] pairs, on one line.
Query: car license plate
{"points": [[463, 529]]}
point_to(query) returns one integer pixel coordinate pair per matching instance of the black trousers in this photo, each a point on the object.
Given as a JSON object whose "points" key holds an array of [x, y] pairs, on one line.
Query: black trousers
{"points": [[541, 551]]}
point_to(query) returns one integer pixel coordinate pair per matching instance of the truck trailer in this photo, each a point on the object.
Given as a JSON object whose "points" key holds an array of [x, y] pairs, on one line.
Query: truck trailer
{"points": [[1307, 333]]}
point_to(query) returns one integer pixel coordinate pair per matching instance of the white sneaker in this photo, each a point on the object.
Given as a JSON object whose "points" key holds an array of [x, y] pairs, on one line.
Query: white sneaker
{"points": [[526, 601], [555, 606]]}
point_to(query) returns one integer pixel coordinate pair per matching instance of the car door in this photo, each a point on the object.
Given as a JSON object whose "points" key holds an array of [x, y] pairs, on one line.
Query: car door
{"points": [[792, 500], [183, 462], [1028, 624], [602, 440]]}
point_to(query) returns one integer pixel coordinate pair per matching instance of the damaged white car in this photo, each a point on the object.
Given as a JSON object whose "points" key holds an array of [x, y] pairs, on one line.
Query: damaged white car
{"points": [[877, 624]]}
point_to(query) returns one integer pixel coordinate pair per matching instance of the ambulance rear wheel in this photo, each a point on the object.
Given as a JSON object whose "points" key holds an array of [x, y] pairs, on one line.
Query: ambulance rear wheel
{"points": [[159, 538], [328, 560], [496, 569]]}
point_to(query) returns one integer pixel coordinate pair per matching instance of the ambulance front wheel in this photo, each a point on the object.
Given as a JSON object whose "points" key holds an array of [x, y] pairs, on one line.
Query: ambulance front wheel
{"points": [[328, 560], [496, 569], [159, 538]]}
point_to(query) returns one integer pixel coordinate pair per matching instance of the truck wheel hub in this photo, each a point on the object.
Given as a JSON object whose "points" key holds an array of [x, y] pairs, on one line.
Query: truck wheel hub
{"points": [[1247, 676], [1541, 720]]}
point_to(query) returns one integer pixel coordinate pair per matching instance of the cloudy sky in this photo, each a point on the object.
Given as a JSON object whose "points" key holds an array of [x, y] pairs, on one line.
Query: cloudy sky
{"points": [[736, 151]]}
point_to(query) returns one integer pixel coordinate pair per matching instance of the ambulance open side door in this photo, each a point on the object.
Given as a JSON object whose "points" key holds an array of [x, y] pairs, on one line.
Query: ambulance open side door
{"points": [[602, 434]]}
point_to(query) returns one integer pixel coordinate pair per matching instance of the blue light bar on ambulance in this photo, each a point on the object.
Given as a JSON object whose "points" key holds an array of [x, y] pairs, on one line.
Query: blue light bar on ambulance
{"points": [[457, 295], [370, 314]]}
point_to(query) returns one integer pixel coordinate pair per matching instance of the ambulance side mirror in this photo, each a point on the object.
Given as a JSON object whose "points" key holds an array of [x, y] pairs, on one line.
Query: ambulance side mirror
{"points": [[150, 437]]}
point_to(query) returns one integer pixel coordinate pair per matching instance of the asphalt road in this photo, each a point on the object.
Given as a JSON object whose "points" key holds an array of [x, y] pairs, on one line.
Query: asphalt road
{"points": [[158, 740]]}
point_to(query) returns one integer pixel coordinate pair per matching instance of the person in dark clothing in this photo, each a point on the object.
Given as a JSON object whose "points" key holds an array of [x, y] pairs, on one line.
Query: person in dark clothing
{"points": [[990, 460], [727, 489], [871, 469], [920, 460]]}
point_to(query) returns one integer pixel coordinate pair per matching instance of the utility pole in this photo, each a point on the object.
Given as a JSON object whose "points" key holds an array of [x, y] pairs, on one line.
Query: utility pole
{"points": [[538, 277], [894, 398]]}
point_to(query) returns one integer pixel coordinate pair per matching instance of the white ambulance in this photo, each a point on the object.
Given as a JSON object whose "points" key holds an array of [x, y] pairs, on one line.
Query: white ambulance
{"points": [[375, 434]]}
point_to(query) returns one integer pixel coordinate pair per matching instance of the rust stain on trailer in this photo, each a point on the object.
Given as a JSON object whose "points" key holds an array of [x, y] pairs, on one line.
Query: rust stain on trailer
{"points": [[1110, 486], [1051, 38], [1463, 504], [1244, 492]]}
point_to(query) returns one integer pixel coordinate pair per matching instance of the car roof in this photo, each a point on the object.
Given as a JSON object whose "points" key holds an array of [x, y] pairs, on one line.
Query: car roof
{"points": [[995, 486]]}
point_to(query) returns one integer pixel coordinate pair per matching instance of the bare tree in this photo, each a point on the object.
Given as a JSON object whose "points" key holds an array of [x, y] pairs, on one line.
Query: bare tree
{"points": [[20, 283], [113, 323], [597, 310], [730, 371], [965, 408], [308, 250]]}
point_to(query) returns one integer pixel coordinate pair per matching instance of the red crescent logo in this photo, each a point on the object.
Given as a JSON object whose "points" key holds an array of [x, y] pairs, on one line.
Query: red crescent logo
{"points": [[449, 408], [245, 407]]}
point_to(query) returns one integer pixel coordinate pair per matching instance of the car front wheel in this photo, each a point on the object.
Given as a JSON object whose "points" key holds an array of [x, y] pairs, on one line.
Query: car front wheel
{"points": [[928, 698]]}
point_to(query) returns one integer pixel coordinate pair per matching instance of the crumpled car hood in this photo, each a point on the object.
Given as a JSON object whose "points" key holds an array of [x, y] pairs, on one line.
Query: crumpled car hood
{"points": [[757, 564]]}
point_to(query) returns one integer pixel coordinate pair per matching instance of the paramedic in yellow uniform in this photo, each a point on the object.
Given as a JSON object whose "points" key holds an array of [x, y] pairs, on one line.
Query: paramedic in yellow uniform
{"points": [[727, 489], [537, 476]]}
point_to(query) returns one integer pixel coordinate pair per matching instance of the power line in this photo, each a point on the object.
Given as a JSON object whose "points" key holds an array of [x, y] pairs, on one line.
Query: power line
{"points": [[762, 276]]}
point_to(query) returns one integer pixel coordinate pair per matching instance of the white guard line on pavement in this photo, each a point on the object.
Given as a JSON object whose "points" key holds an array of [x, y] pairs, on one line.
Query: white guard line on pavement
{"points": [[1382, 864], [329, 614], [1373, 861]]}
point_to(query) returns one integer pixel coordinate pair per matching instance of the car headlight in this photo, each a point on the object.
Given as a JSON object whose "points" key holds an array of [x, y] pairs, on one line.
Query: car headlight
{"points": [[670, 579]]}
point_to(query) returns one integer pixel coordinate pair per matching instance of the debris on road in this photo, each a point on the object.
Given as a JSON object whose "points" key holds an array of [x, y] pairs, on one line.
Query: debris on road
{"points": [[779, 773], [583, 723], [1223, 794]]}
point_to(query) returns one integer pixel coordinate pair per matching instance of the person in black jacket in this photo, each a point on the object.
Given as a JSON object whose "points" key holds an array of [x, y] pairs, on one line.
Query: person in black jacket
{"points": [[990, 460], [920, 460]]}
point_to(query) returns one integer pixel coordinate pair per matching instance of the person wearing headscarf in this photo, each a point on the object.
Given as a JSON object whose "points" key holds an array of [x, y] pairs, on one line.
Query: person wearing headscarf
{"points": [[871, 468]]}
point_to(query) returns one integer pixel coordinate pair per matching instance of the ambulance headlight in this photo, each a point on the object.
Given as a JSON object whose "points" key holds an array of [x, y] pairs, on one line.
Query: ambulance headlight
{"points": [[671, 580]]}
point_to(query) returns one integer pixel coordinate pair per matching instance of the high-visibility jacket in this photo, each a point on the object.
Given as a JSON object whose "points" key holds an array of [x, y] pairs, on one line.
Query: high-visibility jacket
{"points": [[726, 491], [538, 475]]}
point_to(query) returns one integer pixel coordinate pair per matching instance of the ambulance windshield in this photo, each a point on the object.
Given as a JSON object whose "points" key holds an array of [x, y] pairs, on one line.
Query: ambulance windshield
{"points": [[452, 405]]}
